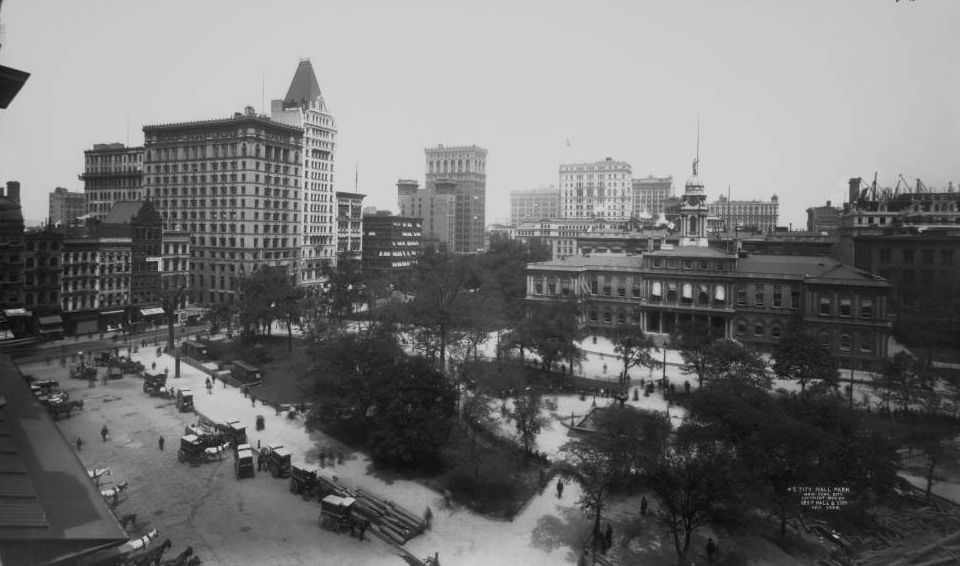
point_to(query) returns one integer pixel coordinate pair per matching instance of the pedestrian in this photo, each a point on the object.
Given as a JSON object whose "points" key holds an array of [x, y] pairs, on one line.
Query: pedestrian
{"points": [[253, 401], [604, 368], [153, 366], [104, 433], [643, 505], [160, 442], [428, 517], [711, 549], [209, 386], [79, 444], [559, 488], [259, 461], [608, 538]]}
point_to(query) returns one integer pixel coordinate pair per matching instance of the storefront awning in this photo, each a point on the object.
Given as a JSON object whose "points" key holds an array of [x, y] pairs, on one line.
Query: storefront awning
{"points": [[58, 329], [15, 312], [48, 320], [153, 311], [106, 313]]}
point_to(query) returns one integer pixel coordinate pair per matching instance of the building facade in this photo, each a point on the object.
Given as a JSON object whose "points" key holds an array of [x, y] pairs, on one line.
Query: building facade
{"points": [[391, 244], [112, 173], [751, 215], [65, 207], [823, 218], [436, 208], [349, 226], [235, 185], [11, 248], [43, 272], [304, 107], [649, 195], [466, 167], [532, 205], [602, 189]]}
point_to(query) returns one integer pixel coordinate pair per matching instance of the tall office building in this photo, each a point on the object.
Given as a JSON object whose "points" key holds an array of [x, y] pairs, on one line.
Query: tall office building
{"points": [[112, 173], [602, 189], [649, 195], [534, 204], [236, 185], [349, 226], [466, 166], [65, 207], [305, 108], [436, 209]]}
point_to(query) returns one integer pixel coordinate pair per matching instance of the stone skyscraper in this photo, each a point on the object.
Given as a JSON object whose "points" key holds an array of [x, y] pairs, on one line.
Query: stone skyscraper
{"points": [[466, 166], [304, 107]]}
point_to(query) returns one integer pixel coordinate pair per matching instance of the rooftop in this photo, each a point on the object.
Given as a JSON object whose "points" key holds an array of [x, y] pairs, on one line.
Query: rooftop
{"points": [[45, 493]]}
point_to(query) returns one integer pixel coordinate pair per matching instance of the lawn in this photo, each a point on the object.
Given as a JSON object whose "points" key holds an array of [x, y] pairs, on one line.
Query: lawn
{"points": [[283, 371]]}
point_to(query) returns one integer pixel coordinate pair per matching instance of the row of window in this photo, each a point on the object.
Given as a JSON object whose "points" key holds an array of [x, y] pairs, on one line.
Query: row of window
{"points": [[926, 256]]}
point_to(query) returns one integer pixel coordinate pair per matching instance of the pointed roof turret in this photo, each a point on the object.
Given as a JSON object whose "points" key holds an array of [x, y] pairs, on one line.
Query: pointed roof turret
{"points": [[304, 87]]}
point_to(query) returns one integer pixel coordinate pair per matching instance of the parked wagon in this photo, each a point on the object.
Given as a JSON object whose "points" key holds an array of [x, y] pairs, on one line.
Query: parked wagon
{"points": [[336, 513], [278, 460], [243, 464], [184, 400], [191, 449], [303, 481], [154, 384]]}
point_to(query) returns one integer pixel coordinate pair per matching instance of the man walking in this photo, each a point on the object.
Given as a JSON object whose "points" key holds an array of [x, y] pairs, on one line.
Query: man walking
{"points": [[79, 444], [559, 488], [160, 443], [711, 549], [104, 433]]}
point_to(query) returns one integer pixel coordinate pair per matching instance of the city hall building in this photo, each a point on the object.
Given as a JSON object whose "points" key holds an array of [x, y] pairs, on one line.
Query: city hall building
{"points": [[750, 299]]}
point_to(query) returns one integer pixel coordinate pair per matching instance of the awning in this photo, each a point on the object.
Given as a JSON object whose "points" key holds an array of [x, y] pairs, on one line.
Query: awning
{"points": [[15, 312], [656, 289], [720, 293], [48, 320], [687, 291], [153, 311], [58, 329], [105, 313]]}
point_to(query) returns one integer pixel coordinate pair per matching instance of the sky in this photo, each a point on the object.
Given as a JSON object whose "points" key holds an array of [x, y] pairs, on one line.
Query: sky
{"points": [[793, 97]]}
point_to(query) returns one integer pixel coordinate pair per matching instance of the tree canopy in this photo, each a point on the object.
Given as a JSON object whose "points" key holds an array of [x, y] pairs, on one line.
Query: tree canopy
{"points": [[798, 356]]}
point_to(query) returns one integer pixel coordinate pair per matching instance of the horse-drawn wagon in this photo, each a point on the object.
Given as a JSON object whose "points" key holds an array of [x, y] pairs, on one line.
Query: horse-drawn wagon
{"points": [[336, 513]]}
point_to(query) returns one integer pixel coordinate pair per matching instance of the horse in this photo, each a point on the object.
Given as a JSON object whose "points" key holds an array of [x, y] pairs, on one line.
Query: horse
{"points": [[181, 558], [152, 557], [113, 493], [96, 473]]}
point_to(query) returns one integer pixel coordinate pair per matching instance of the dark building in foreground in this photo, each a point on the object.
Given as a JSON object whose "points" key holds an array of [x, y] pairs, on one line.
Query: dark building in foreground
{"points": [[391, 244], [51, 512]]}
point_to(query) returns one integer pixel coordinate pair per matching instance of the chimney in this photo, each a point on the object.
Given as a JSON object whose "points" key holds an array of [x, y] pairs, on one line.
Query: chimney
{"points": [[13, 191], [249, 112], [854, 190]]}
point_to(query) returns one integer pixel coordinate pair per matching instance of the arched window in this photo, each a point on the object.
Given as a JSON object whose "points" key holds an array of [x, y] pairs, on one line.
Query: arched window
{"points": [[593, 315], [845, 342], [758, 329], [741, 327], [775, 331]]}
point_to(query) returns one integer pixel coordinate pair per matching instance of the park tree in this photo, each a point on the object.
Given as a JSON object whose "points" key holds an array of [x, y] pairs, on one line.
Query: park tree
{"points": [[527, 415], [550, 330], [800, 357], [693, 341], [261, 293], [693, 486], [593, 469], [367, 391], [633, 440], [733, 361], [633, 348], [905, 377]]}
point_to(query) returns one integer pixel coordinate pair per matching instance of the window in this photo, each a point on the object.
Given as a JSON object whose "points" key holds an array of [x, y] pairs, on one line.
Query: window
{"points": [[926, 256], [758, 298], [946, 257], [741, 327], [636, 289], [845, 342], [720, 294], [671, 292], [703, 297], [656, 290], [825, 339], [775, 331], [593, 286], [907, 256], [866, 345], [741, 296], [552, 287], [866, 308], [593, 315], [824, 306], [537, 285], [606, 317], [885, 255], [758, 329], [795, 300], [777, 296], [846, 306], [687, 293]]}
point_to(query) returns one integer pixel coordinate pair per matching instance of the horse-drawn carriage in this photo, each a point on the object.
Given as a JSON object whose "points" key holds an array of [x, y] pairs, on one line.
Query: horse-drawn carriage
{"points": [[233, 431], [243, 462], [83, 371], [154, 384], [336, 514], [278, 460], [191, 450], [63, 408], [184, 400]]}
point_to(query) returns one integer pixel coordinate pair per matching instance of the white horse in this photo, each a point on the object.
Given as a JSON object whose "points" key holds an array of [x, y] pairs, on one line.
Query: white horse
{"points": [[115, 491], [96, 473]]}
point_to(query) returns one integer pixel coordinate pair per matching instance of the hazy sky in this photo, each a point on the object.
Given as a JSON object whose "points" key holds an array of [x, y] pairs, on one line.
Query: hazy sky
{"points": [[794, 97]]}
